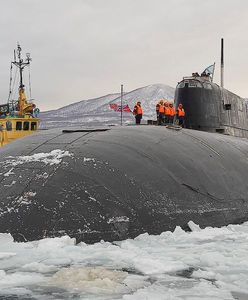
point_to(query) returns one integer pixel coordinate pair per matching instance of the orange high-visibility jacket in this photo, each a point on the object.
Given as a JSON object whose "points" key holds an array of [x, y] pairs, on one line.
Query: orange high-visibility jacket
{"points": [[161, 108], [181, 112], [167, 110], [172, 111], [137, 110]]}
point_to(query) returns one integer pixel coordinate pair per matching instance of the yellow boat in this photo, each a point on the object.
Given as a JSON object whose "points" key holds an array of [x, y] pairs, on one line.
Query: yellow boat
{"points": [[18, 118]]}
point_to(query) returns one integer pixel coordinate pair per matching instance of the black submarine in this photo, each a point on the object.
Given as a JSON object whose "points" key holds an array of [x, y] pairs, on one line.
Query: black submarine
{"points": [[116, 183]]}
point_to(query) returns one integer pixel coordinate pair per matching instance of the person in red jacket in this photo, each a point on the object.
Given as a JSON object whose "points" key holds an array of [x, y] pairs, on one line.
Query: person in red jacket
{"points": [[180, 115], [138, 112]]}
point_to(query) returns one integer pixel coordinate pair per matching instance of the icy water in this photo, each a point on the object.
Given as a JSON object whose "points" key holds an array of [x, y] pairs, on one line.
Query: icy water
{"points": [[204, 264]]}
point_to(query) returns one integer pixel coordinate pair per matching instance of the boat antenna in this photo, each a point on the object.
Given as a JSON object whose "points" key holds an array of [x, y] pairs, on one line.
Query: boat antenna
{"points": [[10, 83], [20, 63], [222, 64], [29, 80]]}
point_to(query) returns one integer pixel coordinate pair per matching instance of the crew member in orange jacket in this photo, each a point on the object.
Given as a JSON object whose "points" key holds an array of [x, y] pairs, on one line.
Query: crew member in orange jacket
{"points": [[166, 113], [172, 113], [161, 112], [180, 115], [138, 112]]}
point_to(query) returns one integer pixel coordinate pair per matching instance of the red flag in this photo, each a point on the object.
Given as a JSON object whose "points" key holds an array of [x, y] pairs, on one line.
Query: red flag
{"points": [[116, 107], [126, 108], [113, 106]]}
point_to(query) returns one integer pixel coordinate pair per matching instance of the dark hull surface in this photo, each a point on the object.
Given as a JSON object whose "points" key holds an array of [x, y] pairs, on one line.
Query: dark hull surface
{"points": [[122, 182]]}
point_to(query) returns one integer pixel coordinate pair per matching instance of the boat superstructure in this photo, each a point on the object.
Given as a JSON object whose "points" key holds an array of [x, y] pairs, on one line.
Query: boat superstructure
{"points": [[18, 118]]}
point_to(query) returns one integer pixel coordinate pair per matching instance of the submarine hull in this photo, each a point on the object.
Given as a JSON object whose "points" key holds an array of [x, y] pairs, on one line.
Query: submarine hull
{"points": [[118, 183]]}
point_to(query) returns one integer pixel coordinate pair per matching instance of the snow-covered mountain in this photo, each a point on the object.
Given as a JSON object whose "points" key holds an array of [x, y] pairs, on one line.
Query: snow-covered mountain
{"points": [[97, 111]]}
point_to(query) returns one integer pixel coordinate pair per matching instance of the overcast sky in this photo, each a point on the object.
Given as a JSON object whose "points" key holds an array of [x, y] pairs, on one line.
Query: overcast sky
{"points": [[83, 49]]}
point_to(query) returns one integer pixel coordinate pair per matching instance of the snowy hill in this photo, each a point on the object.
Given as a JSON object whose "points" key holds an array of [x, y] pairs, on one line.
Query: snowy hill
{"points": [[97, 111]]}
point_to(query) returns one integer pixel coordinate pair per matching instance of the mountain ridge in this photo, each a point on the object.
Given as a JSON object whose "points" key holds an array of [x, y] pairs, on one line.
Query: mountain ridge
{"points": [[97, 111]]}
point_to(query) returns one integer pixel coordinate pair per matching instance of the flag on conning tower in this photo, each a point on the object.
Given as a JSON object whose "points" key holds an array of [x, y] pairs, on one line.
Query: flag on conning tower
{"points": [[209, 70]]}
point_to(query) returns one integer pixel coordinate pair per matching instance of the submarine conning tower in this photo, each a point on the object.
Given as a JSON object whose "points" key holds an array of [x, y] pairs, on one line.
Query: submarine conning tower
{"points": [[210, 107]]}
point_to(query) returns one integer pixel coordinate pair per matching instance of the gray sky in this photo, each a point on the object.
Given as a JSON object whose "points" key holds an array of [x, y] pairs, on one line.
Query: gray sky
{"points": [[83, 49]]}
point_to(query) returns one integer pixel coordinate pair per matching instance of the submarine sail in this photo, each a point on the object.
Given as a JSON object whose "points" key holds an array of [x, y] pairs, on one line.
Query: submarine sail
{"points": [[210, 107]]}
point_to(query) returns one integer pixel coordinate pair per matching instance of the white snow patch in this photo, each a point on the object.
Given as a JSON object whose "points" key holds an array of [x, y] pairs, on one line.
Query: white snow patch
{"points": [[87, 159], [42, 176], [25, 199], [50, 158], [12, 183], [7, 174], [118, 219]]}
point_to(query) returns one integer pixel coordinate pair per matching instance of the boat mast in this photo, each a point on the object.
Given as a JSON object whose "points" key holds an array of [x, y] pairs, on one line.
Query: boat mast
{"points": [[21, 64]]}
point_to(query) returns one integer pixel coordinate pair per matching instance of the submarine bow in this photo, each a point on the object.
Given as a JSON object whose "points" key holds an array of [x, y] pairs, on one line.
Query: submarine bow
{"points": [[118, 183]]}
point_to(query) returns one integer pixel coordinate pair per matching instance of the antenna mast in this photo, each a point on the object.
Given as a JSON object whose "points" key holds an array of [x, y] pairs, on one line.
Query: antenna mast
{"points": [[222, 64], [21, 64]]}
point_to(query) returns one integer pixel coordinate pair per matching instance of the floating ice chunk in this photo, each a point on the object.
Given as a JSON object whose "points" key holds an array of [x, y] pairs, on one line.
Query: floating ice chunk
{"points": [[39, 267], [6, 254], [193, 226], [2, 274], [6, 238], [19, 279], [17, 291], [178, 232], [90, 279], [63, 261], [52, 244], [209, 275]]}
